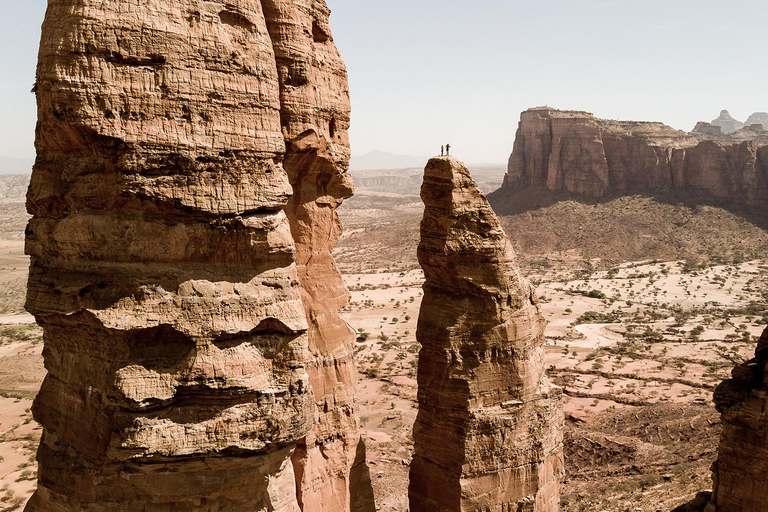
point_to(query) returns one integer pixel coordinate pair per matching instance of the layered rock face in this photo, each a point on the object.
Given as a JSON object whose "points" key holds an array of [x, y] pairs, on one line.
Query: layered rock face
{"points": [[740, 473], [190, 159], [488, 435], [581, 154]]}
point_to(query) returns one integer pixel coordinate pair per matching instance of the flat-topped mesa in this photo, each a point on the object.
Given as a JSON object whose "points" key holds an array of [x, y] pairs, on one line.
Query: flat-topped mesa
{"points": [[740, 473], [187, 335], [578, 153], [488, 435]]}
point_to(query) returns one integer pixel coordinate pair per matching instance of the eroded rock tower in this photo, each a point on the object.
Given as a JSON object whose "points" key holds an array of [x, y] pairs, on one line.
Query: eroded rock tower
{"points": [[488, 435], [191, 155]]}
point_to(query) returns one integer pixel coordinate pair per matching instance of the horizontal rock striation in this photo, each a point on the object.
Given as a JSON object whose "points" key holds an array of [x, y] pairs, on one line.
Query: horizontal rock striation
{"points": [[740, 473], [190, 159], [488, 435], [578, 153]]}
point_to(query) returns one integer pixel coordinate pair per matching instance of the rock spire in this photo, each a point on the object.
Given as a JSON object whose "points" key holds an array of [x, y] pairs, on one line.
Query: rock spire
{"points": [[488, 435], [190, 159]]}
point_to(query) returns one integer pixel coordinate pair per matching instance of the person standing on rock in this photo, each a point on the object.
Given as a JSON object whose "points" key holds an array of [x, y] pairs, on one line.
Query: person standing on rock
{"points": [[447, 150], [442, 150]]}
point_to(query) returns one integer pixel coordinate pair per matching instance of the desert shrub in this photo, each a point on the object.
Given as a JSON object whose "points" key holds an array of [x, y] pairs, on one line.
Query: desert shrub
{"points": [[594, 317]]}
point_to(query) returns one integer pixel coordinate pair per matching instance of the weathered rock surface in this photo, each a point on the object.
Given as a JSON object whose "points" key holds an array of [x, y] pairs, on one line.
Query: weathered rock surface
{"points": [[190, 159], [740, 473], [488, 435], [727, 123], [581, 154]]}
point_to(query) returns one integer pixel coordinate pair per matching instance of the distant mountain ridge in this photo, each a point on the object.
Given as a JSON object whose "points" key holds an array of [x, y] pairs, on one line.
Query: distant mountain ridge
{"points": [[758, 118], [376, 160], [9, 165], [728, 124]]}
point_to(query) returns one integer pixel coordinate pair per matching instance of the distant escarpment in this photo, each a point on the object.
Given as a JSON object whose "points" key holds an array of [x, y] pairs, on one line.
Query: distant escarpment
{"points": [[488, 435], [577, 153], [190, 159], [756, 133]]}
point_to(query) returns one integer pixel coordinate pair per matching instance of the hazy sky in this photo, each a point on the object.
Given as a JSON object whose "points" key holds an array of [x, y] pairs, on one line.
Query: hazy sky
{"points": [[425, 72]]}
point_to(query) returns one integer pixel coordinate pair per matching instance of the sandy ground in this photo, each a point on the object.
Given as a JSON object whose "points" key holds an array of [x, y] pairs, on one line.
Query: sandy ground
{"points": [[14, 266], [21, 373], [673, 335]]}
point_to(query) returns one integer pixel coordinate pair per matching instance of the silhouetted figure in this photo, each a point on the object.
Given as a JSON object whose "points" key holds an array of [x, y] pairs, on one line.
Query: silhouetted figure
{"points": [[442, 150], [447, 150]]}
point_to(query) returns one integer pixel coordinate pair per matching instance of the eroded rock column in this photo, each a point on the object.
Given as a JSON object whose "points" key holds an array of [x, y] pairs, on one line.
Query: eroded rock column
{"points": [[168, 272], [330, 461], [740, 473], [488, 435]]}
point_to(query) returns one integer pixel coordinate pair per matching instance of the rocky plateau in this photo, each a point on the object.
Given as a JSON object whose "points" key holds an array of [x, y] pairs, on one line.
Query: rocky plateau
{"points": [[577, 153]]}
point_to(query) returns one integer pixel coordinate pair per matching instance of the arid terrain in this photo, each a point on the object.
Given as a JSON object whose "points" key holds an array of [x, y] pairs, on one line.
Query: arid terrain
{"points": [[637, 338], [649, 306]]}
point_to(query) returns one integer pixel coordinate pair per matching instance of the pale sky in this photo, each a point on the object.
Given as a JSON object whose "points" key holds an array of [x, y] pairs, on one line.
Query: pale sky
{"points": [[426, 72]]}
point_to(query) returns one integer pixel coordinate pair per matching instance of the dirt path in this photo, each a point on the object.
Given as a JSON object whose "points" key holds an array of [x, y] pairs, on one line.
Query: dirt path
{"points": [[596, 336], [20, 319]]}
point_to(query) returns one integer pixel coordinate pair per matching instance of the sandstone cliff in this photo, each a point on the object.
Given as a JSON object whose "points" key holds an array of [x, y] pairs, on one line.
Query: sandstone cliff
{"points": [[740, 473], [578, 153], [488, 435], [190, 159]]}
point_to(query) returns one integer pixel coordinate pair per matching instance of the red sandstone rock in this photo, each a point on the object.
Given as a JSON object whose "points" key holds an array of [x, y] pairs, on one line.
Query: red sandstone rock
{"points": [[581, 154], [740, 473], [488, 435], [190, 159]]}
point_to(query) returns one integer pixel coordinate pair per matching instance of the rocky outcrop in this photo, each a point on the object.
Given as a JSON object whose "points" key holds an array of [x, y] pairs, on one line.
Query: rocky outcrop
{"points": [[740, 473], [190, 159], [727, 123], [578, 153], [488, 435]]}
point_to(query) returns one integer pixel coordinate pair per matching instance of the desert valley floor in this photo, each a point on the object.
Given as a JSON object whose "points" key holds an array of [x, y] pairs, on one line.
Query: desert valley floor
{"points": [[637, 346]]}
